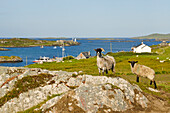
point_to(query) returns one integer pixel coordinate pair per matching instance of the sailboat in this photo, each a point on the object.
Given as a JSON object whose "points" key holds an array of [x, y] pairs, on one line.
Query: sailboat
{"points": [[41, 46], [54, 47]]}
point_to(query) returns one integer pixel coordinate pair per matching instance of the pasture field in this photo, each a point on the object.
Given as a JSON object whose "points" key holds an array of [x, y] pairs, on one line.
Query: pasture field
{"points": [[88, 66]]}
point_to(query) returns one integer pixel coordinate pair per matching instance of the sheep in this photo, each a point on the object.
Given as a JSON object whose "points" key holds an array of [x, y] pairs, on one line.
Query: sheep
{"points": [[104, 63], [143, 71]]}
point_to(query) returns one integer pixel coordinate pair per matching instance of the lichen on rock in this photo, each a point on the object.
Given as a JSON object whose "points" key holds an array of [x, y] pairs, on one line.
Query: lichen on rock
{"points": [[90, 93]]}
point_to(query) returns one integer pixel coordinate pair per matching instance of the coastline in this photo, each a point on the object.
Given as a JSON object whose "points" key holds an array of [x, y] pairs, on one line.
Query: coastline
{"points": [[33, 52], [11, 59], [3, 49], [34, 46], [20, 42]]}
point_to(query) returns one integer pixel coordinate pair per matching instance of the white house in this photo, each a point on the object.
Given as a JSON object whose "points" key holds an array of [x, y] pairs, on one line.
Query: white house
{"points": [[142, 48]]}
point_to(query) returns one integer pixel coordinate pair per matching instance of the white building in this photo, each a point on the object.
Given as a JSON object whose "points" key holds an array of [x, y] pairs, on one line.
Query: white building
{"points": [[142, 48], [74, 39]]}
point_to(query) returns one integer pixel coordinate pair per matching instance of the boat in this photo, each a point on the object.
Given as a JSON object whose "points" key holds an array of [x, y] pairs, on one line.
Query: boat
{"points": [[43, 59], [54, 47], [42, 47]]}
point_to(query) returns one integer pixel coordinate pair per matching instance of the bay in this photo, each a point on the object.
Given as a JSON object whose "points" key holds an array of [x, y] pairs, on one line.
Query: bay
{"points": [[32, 53]]}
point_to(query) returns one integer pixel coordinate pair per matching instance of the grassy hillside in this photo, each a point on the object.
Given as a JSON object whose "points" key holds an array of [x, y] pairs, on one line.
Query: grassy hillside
{"points": [[154, 36], [122, 66], [88, 66]]}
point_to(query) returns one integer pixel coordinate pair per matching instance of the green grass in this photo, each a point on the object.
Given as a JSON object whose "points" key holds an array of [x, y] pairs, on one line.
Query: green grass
{"points": [[68, 58], [122, 66], [163, 52], [88, 66]]}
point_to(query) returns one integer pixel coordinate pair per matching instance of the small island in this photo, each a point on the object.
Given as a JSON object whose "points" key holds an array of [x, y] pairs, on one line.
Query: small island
{"points": [[3, 49], [25, 42], [11, 59]]}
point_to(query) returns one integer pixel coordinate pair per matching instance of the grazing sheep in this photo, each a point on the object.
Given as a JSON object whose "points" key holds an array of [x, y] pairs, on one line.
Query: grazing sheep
{"points": [[144, 71], [104, 63]]}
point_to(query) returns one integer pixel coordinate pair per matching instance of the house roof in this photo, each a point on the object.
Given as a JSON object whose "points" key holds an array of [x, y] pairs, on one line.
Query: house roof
{"points": [[86, 54], [137, 45], [142, 45]]}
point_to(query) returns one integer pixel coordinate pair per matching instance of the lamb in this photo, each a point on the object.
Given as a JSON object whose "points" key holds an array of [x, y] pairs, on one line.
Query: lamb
{"points": [[104, 63], [143, 71]]}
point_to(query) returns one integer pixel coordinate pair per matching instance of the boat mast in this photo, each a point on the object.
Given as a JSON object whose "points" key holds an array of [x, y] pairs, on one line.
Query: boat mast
{"points": [[63, 49]]}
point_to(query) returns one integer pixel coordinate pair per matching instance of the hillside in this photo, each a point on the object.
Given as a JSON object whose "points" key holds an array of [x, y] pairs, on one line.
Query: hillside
{"points": [[155, 36], [24, 42], [74, 86]]}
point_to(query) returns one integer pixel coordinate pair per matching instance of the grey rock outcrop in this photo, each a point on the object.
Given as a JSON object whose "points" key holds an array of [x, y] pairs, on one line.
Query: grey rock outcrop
{"points": [[31, 98], [9, 75], [85, 93], [100, 92]]}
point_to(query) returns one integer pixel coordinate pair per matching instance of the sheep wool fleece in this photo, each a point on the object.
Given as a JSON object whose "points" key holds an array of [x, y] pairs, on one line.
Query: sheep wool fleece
{"points": [[143, 71]]}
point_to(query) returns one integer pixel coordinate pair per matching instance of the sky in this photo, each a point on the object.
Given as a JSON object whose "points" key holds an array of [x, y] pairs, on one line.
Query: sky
{"points": [[83, 18]]}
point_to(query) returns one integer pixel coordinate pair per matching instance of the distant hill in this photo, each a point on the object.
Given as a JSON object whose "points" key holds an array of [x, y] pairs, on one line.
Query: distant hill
{"points": [[155, 36]]}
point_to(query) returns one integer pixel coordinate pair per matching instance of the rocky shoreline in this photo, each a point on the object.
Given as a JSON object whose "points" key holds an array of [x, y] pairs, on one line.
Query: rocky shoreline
{"points": [[3, 49], [11, 59], [70, 92]]}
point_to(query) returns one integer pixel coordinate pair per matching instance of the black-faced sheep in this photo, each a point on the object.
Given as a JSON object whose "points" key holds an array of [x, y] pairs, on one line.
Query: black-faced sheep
{"points": [[143, 71], [104, 63]]}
